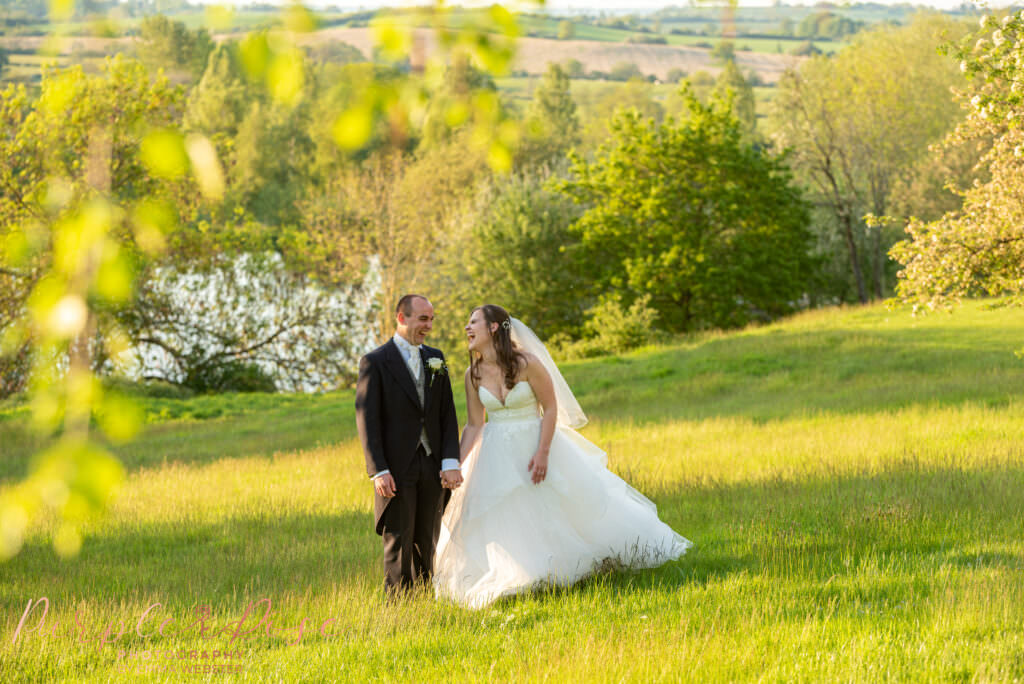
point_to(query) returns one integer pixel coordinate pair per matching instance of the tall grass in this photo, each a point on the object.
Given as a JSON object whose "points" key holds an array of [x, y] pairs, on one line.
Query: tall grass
{"points": [[852, 480]]}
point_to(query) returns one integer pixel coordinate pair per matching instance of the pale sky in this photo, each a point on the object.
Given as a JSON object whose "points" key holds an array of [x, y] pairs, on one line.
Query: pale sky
{"points": [[610, 5]]}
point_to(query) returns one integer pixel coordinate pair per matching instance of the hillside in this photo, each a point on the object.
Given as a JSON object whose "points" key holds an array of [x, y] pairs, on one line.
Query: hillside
{"points": [[851, 480]]}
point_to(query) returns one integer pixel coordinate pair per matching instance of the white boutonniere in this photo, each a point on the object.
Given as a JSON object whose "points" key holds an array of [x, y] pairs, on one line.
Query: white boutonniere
{"points": [[437, 367]]}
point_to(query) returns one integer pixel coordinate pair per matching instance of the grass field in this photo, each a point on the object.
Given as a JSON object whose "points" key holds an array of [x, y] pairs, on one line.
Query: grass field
{"points": [[852, 481]]}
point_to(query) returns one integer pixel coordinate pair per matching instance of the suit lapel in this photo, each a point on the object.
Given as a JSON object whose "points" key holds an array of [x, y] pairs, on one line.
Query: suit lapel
{"points": [[396, 364]]}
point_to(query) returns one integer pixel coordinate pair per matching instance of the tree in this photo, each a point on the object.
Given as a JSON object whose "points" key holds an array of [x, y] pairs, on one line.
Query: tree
{"points": [[166, 44], [447, 109], [566, 30], [978, 249], [552, 124], [249, 315], [625, 71], [688, 213], [92, 233], [724, 52], [596, 115], [854, 132], [574, 68], [396, 211], [223, 97], [742, 94], [270, 163], [515, 248]]}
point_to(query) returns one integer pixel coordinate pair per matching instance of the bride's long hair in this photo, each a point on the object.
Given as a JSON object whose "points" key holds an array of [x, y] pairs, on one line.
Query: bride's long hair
{"points": [[510, 357]]}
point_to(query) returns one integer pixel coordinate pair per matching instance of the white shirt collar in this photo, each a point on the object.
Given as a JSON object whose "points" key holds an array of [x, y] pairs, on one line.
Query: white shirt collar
{"points": [[405, 345]]}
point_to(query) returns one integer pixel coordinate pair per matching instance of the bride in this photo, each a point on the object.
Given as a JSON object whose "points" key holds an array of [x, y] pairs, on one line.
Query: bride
{"points": [[538, 506]]}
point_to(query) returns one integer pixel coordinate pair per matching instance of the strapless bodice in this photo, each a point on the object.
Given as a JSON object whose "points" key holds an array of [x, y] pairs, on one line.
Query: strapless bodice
{"points": [[520, 403]]}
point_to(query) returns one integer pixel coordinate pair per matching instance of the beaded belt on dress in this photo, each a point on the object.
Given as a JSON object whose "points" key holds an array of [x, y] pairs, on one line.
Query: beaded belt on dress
{"points": [[512, 414]]}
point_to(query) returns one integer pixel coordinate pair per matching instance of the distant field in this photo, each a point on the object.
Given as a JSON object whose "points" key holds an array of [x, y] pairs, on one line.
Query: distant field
{"points": [[597, 48]]}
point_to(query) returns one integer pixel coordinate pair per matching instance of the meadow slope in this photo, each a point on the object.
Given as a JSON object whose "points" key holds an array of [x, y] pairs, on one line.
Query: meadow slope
{"points": [[852, 481]]}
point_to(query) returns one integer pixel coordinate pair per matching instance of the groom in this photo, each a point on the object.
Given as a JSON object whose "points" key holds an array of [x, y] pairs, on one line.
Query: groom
{"points": [[410, 435]]}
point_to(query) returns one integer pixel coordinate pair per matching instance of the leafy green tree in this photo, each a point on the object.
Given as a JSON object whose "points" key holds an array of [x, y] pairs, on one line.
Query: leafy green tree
{"points": [[447, 109], [598, 108], [826, 24], [169, 45], [516, 249], [270, 163], [806, 49], [574, 68], [675, 75], [978, 248], [724, 52], [219, 103], [687, 212], [334, 52], [395, 209], [566, 30], [625, 71], [552, 123], [854, 134], [742, 94]]}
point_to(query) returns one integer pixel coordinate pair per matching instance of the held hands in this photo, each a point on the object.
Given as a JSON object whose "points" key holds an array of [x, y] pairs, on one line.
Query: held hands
{"points": [[539, 467], [451, 479], [385, 486]]}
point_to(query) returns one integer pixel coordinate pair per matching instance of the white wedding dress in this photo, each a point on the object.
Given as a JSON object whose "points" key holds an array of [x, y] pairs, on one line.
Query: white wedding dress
{"points": [[502, 534]]}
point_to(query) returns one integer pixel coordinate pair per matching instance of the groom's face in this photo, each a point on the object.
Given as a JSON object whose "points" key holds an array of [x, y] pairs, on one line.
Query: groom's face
{"points": [[417, 325]]}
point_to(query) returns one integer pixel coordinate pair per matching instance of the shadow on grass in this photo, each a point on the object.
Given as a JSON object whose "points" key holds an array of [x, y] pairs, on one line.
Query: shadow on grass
{"points": [[187, 561], [262, 432], [905, 524]]}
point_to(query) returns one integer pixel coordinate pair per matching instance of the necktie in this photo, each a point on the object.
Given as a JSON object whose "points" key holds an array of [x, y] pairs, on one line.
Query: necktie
{"points": [[413, 360]]}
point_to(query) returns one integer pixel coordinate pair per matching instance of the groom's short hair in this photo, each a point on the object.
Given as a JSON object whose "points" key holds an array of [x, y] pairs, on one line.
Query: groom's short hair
{"points": [[404, 305]]}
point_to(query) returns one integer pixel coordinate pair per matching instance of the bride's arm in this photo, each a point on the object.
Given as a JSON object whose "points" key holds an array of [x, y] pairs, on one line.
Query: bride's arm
{"points": [[474, 421], [544, 390]]}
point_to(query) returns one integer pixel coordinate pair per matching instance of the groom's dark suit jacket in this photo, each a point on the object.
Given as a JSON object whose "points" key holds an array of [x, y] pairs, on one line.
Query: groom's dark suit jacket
{"points": [[389, 415]]}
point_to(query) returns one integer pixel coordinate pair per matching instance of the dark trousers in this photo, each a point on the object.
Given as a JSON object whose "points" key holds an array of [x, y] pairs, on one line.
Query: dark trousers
{"points": [[412, 523]]}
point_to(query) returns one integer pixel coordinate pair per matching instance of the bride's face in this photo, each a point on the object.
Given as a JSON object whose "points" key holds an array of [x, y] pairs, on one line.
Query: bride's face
{"points": [[478, 335]]}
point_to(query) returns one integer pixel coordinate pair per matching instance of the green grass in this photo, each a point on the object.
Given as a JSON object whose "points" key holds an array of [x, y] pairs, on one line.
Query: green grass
{"points": [[851, 479]]}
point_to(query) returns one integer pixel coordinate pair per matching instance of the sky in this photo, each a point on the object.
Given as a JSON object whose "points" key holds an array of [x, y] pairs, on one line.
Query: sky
{"points": [[621, 5]]}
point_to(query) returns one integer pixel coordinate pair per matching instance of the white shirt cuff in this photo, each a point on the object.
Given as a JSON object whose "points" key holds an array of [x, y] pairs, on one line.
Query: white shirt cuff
{"points": [[383, 472], [450, 464]]}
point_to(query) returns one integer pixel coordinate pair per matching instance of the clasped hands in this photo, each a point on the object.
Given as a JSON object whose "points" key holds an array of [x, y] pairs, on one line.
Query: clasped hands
{"points": [[451, 479], [385, 484]]}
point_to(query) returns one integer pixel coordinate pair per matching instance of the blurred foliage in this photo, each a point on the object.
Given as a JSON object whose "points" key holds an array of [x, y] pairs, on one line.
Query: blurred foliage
{"points": [[111, 180]]}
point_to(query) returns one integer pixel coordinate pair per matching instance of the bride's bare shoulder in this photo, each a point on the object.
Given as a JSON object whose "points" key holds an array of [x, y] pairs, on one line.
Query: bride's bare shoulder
{"points": [[530, 365], [527, 359]]}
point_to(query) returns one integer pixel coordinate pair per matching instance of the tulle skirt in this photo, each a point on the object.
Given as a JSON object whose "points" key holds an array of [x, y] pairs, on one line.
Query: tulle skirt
{"points": [[502, 534]]}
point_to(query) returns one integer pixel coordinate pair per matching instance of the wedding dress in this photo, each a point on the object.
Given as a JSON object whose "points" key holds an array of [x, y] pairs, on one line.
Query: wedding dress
{"points": [[502, 534]]}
